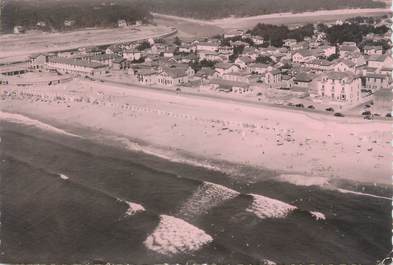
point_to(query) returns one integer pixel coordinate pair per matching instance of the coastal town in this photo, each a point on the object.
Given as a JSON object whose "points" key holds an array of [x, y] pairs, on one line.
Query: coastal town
{"points": [[307, 73], [196, 132]]}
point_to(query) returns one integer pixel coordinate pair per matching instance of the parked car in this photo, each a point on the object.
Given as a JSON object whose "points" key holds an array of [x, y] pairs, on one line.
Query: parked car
{"points": [[368, 117], [330, 109], [299, 105], [389, 115], [338, 114], [366, 113], [311, 107]]}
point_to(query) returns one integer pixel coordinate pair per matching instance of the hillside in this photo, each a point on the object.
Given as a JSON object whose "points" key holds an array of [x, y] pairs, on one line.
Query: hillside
{"points": [[53, 13], [211, 9]]}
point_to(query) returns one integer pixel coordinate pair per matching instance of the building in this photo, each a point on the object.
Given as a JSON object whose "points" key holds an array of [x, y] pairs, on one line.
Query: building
{"points": [[69, 23], [41, 24], [122, 23], [319, 65], [19, 29], [380, 61], [303, 56], [347, 49], [289, 43], [337, 88], [75, 66], [223, 68], [342, 65], [375, 82], [303, 79], [38, 61], [242, 76], [272, 78], [105, 59], [207, 46], [383, 101], [233, 34], [373, 50], [258, 40], [243, 61], [132, 54], [259, 68]]}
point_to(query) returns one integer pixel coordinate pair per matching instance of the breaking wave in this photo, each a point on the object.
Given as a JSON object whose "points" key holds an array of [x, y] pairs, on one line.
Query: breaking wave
{"points": [[63, 177], [301, 180], [264, 207], [21, 119], [133, 208], [318, 216], [174, 236], [167, 155], [207, 196], [364, 194]]}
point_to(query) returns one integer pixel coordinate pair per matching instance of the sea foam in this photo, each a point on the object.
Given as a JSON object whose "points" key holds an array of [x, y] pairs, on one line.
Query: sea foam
{"points": [[134, 208], [364, 194], [63, 177], [21, 119], [318, 216], [265, 207], [301, 180], [207, 196], [174, 236]]}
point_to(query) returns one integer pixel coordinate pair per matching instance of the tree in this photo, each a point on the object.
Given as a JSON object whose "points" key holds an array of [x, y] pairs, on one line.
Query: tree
{"points": [[332, 57], [264, 59], [143, 46], [177, 41]]}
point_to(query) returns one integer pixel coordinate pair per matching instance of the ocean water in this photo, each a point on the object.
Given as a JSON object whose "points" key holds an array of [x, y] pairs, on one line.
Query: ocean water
{"points": [[69, 200]]}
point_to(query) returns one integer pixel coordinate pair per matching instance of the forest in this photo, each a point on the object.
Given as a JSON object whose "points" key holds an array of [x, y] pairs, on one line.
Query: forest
{"points": [[105, 13], [92, 13]]}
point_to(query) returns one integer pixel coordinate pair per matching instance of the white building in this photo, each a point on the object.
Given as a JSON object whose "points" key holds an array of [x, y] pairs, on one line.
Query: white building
{"points": [[337, 87]]}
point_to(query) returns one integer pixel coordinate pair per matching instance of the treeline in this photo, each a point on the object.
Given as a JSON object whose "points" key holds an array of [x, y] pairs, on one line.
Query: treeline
{"points": [[277, 34], [92, 13], [209, 9], [352, 32]]}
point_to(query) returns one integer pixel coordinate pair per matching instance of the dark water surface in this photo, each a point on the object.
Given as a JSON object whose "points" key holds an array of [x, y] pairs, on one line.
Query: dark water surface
{"points": [[45, 219]]}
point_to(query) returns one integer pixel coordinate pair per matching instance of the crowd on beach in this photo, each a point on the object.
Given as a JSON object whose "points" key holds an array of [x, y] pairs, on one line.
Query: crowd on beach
{"points": [[266, 134]]}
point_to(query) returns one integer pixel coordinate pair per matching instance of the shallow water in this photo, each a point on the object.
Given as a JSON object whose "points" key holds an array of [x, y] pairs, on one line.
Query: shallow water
{"points": [[64, 199]]}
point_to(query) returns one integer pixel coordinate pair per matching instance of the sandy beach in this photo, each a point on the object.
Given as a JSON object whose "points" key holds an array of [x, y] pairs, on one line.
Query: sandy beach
{"points": [[179, 126], [288, 18]]}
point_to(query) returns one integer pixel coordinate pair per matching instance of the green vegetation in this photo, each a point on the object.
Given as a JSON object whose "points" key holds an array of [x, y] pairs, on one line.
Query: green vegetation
{"points": [[277, 34], [93, 13], [352, 32]]}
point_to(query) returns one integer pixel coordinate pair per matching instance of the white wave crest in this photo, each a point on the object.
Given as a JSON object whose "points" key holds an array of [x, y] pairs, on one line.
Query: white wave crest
{"points": [[173, 236], [207, 196], [268, 262], [265, 207], [167, 155], [134, 208], [318, 216], [63, 177], [21, 119], [364, 194], [301, 180]]}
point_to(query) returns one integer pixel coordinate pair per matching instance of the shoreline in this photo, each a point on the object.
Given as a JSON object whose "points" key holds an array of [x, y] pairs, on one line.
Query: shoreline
{"points": [[242, 22], [185, 126]]}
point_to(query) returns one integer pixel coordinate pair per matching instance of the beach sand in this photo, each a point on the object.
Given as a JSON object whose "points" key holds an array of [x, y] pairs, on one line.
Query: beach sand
{"points": [[295, 142]]}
